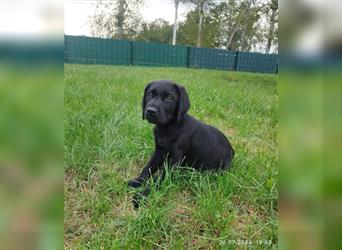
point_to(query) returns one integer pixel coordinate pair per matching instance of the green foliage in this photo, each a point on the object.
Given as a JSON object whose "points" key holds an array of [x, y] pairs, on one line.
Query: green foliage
{"points": [[236, 23], [107, 143], [157, 31], [233, 25], [271, 10], [187, 30], [116, 19]]}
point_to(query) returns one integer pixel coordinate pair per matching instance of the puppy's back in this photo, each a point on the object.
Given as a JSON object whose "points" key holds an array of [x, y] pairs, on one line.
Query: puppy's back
{"points": [[210, 148]]}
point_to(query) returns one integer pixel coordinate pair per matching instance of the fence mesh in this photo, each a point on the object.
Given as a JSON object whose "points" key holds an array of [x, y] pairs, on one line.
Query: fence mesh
{"points": [[156, 54], [88, 50], [212, 58], [256, 62]]}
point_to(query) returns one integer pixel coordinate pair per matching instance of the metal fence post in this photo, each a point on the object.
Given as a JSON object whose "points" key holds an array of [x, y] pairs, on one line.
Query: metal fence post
{"points": [[79, 49], [188, 56], [236, 60], [65, 50], [131, 53]]}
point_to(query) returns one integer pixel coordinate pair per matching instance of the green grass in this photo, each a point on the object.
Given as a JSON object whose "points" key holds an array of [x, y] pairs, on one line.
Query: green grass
{"points": [[107, 143]]}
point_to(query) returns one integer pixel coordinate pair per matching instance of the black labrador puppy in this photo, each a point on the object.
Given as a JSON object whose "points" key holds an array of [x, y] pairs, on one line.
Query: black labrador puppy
{"points": [[179, 138]]}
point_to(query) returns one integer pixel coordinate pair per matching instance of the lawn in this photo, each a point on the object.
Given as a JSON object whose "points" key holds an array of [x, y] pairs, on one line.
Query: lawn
{"points": [[107, 143]]}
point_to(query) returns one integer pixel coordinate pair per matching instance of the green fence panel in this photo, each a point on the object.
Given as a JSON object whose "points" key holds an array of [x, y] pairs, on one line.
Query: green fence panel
{"points": [[257, 62], [212, 58], [88, 50], [155, 54]]}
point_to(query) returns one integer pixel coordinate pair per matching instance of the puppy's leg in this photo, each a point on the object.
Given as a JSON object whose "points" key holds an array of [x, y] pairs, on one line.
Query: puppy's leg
{"points": [[154, 163], [175, 159], [157, 180]]}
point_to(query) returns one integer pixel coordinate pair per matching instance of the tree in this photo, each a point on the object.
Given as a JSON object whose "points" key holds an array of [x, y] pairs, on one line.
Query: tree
{"points": [[251, 31], [188, 31], [245, 17], [273, 20], [240, 27], [157, 31], [201, 6], [116, 19], [174, 34], [231, 25]]}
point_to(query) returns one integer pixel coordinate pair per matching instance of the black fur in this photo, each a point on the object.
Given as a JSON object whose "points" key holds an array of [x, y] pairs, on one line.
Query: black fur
{"points": [[179, 137]]}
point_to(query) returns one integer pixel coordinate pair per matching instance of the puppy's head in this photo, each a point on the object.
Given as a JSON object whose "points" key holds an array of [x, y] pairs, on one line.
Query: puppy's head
{"points": [[164, 101]]}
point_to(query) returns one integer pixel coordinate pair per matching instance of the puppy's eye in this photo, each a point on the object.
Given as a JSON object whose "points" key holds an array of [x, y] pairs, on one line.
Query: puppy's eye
{"points": [[149, 94], [169, 97]]}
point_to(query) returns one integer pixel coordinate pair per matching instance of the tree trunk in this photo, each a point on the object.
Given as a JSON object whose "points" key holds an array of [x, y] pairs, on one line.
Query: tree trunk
{"points": [[236, 27], [200, 24], [230, 38], [243, 40], [248, 11], [174, 36], [121, 19], [270, 31]]}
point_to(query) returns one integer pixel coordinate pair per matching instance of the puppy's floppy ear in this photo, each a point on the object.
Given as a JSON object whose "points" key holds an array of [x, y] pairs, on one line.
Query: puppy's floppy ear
{"points": [[183, 102], [144, 101]]}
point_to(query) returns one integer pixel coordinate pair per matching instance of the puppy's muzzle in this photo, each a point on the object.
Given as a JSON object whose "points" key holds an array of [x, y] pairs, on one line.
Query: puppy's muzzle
{"points": [[151, 111], [151, 114]]}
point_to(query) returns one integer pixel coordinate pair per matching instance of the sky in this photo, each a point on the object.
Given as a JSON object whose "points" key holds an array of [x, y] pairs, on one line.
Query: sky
{"points": [[77, 12], [31, 17], [37, 17], [53, 18]]}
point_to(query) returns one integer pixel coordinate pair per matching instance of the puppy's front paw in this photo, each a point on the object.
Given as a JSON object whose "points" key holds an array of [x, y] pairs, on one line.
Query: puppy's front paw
{"points": [[134, 183], [136, 202], [139, 199]]}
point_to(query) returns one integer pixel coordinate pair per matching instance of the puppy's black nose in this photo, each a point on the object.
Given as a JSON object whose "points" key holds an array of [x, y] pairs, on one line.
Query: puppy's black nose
{"points": [[151, 111]]}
